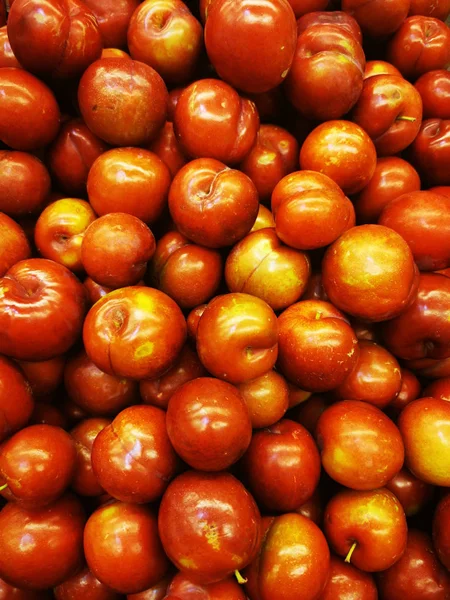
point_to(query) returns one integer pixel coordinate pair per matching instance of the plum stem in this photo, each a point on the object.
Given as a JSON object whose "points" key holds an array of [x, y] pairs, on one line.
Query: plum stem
{"points": [[3, 487], [350, 552], [239, 578], [405, 118]]}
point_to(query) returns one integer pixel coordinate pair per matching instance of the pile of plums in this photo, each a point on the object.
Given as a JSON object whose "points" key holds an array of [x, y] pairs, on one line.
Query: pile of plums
{"points": [[224, 300]]}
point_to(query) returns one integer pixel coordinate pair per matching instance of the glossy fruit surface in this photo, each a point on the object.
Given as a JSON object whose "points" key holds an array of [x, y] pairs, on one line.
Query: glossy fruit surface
{"points": [[29, 113], [418, 574], [209, 515], [129, 180], [138, 94], [134, 332], [374, 520], [208, 424], [132, 458], [37, 464], [352, 436], [370, 273], [220, 341], [122, 547], [229, 22], [282, 466], [53, 301], [305, 329], [426, 423], [343, 151], [54, 532], [208, 109]]}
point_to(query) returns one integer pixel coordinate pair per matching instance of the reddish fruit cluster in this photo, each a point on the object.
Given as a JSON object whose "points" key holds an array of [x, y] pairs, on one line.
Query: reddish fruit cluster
{"points": [[224, 300]]}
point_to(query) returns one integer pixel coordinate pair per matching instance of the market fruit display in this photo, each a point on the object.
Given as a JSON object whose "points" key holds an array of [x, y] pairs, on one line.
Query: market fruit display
{"points": [[224, 300]]}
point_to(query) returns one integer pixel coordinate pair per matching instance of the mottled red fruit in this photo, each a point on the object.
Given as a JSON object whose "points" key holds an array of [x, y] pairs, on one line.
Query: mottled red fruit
{"points": [[208, 110], [72, 154], [310, 210], [374, 521], [24, 185], [84, 481], [430, 151], [237, 337], [96, 392], [54, 41], [353, 436], [129, 180], [413, 493], [211, 204], [137, 94], [37, 463], [417, 575], [266, 397], [282, 466], [441, 537], [346, 582], [183, 587], [343, 151], [159, 391], [29, 113], [270, 33], [60, 230], [134, 332], [380, 67], [423, 220], [133, 459], [113, 17], [376, 377], [165, 35], [262, 266], [209, 525], [326, 77], [187, 272], [420, 45], [122, 547], [327, 17], [305, 355], [275, 575], [42, 547], [379, 18], [273, 155], [84, 585], [116, 248], [423, 329], [7, 58], [434, 88], [14, 244], [13, 415], [409, 391], [389, 109], [51, 299], [369, 272], [168, 149], [393, 177], [208, 424], [425, 427]]}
